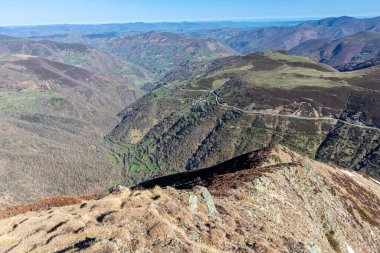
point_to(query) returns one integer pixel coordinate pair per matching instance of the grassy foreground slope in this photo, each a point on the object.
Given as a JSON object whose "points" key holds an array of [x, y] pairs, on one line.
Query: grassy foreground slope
{"points": [[53, 118], [266, 201], [246, 104]]}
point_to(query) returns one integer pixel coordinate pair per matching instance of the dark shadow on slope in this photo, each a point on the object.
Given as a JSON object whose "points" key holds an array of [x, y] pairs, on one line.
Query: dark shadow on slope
{"points": [[221, 177]]}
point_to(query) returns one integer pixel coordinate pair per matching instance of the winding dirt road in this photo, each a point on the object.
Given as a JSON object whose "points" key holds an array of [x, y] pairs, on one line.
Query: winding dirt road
{"points": [[330, 119]]}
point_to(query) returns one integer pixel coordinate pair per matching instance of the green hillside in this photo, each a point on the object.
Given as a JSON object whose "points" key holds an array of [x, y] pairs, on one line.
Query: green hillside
{"points": [[248, 103]]}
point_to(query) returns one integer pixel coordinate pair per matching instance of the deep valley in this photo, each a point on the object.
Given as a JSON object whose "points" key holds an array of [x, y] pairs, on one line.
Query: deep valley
{"points": [[225, 136]]}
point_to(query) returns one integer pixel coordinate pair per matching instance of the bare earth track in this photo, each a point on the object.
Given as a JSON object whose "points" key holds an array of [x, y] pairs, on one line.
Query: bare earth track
{"points": [[329, 119]]}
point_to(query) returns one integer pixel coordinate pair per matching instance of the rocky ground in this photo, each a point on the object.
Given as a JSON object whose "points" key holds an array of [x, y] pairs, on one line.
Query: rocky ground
{"points": [[278, 201]]}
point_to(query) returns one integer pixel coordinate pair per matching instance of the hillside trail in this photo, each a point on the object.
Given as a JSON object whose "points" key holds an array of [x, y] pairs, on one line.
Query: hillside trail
{"points": [[332, 120]]}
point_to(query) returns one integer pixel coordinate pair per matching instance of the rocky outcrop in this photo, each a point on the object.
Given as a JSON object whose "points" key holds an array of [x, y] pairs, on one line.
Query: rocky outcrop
{"points": [[211, 209], [283, 203]]}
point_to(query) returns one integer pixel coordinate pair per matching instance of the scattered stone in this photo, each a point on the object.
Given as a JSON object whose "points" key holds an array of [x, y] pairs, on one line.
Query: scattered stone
{"points": [[296, 213], [349, 249], [194, 236], [261, 183], [313, 248], [202, 227], [119, 188], [122, 188], [193, 202], [251, 214], [209, 201], [276, 212]]}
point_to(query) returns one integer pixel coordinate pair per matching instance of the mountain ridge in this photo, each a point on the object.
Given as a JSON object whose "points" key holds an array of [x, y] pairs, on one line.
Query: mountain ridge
{"points": [[163, 51], [285, 38], [246, 104], [305, 206], [347, 54], [78, 55]]}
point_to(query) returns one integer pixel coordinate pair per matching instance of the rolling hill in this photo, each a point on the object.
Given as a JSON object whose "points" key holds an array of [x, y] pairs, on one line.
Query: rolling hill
{"points": [[161, 52], [265, 201], [203, 145], [53, 118], [246, 104], [80, 56], [353, 52], [57, 102], [253, 40]]}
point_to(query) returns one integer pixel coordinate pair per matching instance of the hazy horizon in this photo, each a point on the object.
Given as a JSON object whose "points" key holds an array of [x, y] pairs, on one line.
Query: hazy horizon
{"points": [[82, 12], [268, 20]]}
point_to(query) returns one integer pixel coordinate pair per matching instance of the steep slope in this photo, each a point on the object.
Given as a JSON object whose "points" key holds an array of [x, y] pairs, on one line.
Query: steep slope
{"points": [[162, 52], [285, 38], [272, 200], [350, 53], [90, 94], [53, 118], [80, 56], [357, 147], [189, 70], [247, 104]]}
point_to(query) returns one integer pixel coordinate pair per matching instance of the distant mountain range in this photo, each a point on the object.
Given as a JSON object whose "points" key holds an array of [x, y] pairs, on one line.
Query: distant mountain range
{"points": [[161, 52], [244, 38], [63, 31], [357, 51], [344, 43], [148, 46], [285, 38]]}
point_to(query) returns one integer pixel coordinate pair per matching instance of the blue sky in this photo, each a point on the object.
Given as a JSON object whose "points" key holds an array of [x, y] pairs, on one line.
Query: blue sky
{"points": [[31, 12]]}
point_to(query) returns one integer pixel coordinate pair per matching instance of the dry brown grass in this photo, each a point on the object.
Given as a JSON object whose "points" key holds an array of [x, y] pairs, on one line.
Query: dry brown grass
{"points": [[284, 214], [43, 204]]}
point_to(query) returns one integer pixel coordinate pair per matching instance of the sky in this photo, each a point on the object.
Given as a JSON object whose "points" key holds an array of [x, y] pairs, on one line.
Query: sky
{"points": [[38, 12]]}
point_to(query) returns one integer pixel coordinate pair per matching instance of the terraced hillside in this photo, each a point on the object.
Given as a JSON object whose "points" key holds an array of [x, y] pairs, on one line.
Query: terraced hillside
{"points": [[53, 118], [273, 200], [127, 73], [246, 104], [161, 52], [361, 50]]}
